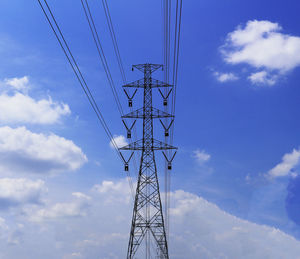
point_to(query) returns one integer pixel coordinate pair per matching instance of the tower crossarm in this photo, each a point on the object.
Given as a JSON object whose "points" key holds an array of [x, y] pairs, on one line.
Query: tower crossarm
{"points": [[157, 145], [150, 68], [154, 114], [141, 84]]}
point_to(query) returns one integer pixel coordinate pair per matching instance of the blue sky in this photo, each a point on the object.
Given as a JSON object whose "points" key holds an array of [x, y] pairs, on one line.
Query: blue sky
{"points": [[235, 177]]}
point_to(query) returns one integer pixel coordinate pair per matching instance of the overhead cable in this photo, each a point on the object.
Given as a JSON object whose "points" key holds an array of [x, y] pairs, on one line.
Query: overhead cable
{"points": [[114, 39], [101, 53], [63, 44]]}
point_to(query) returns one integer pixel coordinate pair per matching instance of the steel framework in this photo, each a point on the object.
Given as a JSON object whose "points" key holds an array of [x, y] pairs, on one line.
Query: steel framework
{"points": [[147, 220]]}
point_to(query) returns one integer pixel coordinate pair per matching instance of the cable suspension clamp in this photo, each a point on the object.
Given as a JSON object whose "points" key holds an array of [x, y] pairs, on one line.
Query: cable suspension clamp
{"points": [[166, 128], [126, 162], [169, 160], [129, 128], [130, 98], [165, 98]]}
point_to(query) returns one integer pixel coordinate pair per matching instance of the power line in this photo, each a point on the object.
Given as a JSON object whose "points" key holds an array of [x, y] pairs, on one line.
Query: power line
{"points": [[166, 52], [176, 60], [95, 35], [114, 39], [177, 35], [101, 53], [119, 60], [63, 44], [83, 83], [103, 59], [176, 52]]}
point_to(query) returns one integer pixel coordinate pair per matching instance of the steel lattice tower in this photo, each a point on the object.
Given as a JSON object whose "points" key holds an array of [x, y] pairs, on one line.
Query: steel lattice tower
{"points": [[147, 220]]}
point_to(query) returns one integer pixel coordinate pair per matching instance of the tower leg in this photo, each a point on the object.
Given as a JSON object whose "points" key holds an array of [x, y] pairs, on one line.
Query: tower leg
{"points": [[147, 221]]}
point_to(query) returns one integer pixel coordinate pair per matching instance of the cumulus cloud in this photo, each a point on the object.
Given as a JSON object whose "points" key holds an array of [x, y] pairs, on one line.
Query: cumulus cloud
{"points": [[214, 233], [198, 227], [263, 78], [75, 208], [19, 107], [24, 151], [114, 191], [201, 156], [285, 167], [211, 232], [263, 45], [20, 84], [3, 224], [225, 77], [119, 140], [73, 256], [3, 230], [20, 191]]}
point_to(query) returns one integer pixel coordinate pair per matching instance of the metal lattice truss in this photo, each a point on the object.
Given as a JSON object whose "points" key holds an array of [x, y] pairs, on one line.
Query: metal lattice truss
{"points": [[150, 67], [147, 219], [142, 113], [156, 145], [154, 84]]}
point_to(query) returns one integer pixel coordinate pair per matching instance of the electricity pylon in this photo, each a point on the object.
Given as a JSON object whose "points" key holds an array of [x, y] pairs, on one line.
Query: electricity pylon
{"points": [[147, 220]]}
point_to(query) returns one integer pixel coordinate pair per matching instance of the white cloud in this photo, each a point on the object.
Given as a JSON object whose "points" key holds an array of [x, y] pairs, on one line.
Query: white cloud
{"points": [[209, 231], [225, 77], [262, 77], [213, 233], [75, 208], [284, 168], [3, 229], [24, 151], [81, 195], [18, 107], [20, 84], [3, 225], [261, 44], [21, 108], [73, 256], [198, 227], [114, 191], [120, 141], [201, 156], [19, 191]]}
